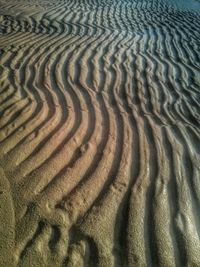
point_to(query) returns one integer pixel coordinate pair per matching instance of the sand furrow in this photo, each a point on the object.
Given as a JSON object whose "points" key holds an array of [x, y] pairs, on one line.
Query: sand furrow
{"points": [[99, 133]]}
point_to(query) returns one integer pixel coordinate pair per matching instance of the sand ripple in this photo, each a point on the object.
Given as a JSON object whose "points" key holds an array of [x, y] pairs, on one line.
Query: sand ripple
{"points": [[100, 133]]}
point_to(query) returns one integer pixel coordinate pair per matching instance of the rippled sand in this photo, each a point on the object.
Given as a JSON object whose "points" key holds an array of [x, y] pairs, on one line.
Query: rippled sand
{"points": [[99, 133]]}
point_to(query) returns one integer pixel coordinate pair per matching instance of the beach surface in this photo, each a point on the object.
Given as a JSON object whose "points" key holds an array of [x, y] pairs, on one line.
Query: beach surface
{"points": [[99, 133]]}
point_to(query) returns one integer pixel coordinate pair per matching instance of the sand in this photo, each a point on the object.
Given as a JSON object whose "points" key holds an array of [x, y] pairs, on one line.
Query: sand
{"points": [[99, 133]]}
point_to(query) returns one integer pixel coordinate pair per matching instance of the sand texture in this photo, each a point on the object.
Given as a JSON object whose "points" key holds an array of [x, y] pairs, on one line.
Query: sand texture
{"points": [[99, 133]]}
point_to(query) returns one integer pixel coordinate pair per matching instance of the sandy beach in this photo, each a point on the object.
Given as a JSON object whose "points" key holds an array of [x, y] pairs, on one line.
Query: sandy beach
{"points": [[100, 133]]}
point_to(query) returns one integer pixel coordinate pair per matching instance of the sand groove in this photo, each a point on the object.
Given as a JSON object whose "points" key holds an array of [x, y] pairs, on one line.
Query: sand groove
{"points": [[100, 132]]}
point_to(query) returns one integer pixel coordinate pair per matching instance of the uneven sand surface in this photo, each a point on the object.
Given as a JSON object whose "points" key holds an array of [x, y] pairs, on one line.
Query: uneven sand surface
{"points": [[99, 133]]}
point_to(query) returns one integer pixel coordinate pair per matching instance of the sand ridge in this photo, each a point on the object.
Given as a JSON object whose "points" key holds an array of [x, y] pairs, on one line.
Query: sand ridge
{"points": [[100, 133]]}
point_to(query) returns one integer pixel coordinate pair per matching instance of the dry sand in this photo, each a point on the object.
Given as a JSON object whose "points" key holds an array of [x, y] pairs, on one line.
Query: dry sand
{"points": [[99, 133]]}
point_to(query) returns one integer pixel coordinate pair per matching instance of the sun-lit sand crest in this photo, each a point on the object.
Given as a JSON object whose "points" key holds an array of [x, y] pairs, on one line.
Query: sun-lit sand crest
{"points": [[99, 133]]}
